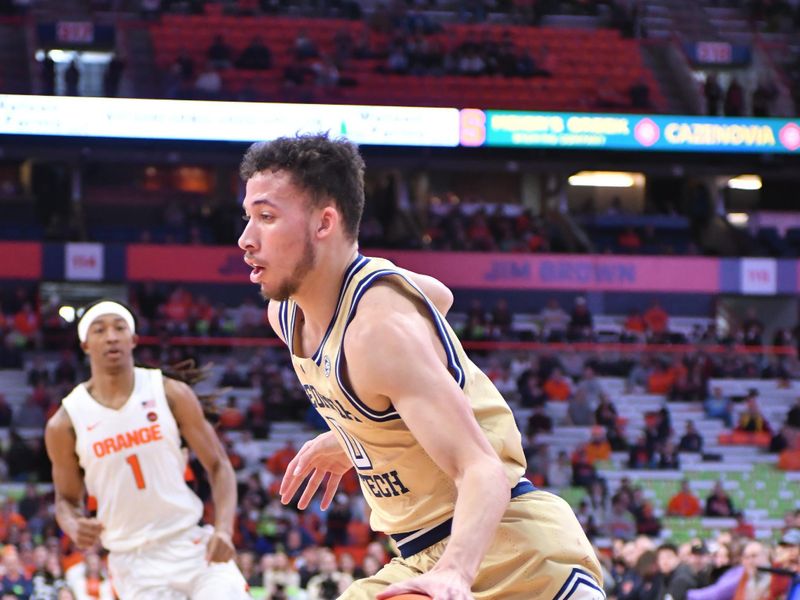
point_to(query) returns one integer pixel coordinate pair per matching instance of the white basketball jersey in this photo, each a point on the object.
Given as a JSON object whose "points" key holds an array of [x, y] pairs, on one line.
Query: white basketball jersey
{"points": [[133, 464]]}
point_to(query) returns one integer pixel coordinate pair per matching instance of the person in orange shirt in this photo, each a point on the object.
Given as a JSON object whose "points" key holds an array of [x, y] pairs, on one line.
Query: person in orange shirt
{"points": [[635, 323], [656, 319], [278, 462], [660, 380], [684, 503], [557, 387], [598, 447]]}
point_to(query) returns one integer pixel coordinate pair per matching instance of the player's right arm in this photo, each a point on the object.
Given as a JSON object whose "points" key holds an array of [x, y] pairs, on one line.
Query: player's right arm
{"points": [[59, 437]]}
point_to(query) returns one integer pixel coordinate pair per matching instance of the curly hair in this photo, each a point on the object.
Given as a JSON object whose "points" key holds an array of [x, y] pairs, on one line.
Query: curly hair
{"points": [[329, 169]]}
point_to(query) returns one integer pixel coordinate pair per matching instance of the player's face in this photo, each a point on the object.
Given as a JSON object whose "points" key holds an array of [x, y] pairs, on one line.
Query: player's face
{"points": [[110, 342], [277, 239]]}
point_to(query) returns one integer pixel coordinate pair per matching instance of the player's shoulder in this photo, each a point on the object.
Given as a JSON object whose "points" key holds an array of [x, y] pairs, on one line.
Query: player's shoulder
{"points": [[385, 313], [60, 423]]}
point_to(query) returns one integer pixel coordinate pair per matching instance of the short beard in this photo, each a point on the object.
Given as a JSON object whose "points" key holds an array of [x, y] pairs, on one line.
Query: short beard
{"points": [[291, 284]]}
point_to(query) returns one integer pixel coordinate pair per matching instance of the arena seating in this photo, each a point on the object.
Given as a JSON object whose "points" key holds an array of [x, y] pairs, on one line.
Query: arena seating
{"points": [[586, 60]]}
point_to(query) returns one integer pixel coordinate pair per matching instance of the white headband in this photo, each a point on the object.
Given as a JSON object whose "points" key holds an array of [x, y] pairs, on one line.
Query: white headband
{"points": [[107, 307]]}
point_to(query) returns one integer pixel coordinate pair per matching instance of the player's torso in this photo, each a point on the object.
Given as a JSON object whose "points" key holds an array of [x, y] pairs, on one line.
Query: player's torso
{"points": [[133, 464], [404, 487]]}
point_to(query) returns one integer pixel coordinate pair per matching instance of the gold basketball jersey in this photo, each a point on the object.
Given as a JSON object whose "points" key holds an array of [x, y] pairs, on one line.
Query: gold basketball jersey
{"points": [[405, 489]]}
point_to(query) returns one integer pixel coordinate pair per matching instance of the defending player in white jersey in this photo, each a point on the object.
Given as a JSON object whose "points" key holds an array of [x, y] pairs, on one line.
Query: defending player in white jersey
{"points": [[118, 436]]}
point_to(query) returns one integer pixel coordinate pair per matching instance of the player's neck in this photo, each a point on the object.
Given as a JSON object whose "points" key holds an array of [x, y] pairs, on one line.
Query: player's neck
{"points": [[111, 389], [319, 294]]}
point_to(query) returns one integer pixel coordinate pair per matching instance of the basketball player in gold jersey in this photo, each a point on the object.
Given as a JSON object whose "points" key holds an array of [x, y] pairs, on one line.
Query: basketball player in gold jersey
{"points": [[435, 446]]}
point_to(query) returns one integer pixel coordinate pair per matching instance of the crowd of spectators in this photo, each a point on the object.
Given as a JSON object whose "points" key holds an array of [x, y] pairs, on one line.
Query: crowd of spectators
{"points": [[314, 553]]}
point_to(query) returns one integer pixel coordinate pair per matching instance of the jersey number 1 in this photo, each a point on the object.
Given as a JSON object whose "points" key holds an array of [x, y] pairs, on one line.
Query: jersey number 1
{"points": [[133, 461]]}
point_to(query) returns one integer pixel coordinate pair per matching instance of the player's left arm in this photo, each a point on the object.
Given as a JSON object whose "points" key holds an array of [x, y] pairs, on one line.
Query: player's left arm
{"points": [[203, 441], [438, 414]]}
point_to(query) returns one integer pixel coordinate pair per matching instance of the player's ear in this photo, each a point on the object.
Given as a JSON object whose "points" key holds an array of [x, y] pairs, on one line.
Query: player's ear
{"points": [[135, 339], [327, 222], [85, 347]]}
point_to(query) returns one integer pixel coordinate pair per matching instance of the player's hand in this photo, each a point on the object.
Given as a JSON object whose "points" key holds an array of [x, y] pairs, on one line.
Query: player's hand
{"points": [[220, 548], [87, 533], [442, 584], [319, 457]]}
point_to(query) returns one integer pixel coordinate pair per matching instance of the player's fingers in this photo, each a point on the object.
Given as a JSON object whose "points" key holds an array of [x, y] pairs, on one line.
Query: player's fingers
{"points": [[330, 490], [311, 489], [292, 480]]}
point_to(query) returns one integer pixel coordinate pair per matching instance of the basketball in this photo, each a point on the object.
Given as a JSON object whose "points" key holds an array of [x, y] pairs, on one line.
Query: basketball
{"points": [[412, 596]]}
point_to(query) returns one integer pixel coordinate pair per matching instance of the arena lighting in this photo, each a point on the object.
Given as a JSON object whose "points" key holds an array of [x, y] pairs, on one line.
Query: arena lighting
{"points": [[738, 219], [67, 313], [608, 179], [745, 182]]}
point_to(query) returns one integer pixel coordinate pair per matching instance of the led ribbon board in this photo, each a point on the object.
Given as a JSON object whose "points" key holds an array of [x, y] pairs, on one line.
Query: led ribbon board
{"points": [[135, 118], [598, 131]]}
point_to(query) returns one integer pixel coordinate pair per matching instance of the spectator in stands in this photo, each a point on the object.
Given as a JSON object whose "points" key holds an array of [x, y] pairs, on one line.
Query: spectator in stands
{"points": [[743, 528], [27, 325], [14, 581], [691, 441], [781, 440], [72, 78], [231, 376], [554, 321], [6, 414], [660, 378], [734, 99], [329, 583], [764, 95], [557, 387], [89, 578], [793, 416], [279, 576], [559, 471], [713, 95], [752, 328], [752, 420], [208, 85], [676, 577], [629, 241], [590, 386], [278, 462], [579, 410], [231, 417], [668, 457], [639, 456], [616, 437], [598, 448], [66, 369], [639, 94], [38, 372], [48, 72], [539, 422], [719, 406], [719, 504], [219, 53], [501, 319], [580, 322], [647, 522], [583, 471], [256, 56], [606, 413], [634, 326], [621, 523], [684, 503], [112, 76], [657, 321], [48, 579], [30, 415], [304, 46]]}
